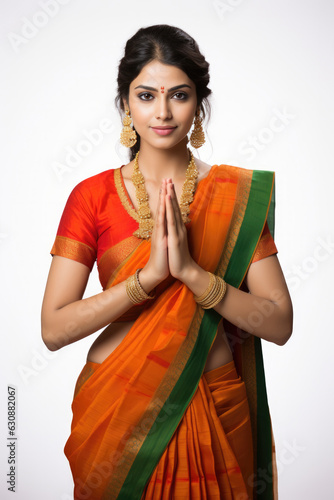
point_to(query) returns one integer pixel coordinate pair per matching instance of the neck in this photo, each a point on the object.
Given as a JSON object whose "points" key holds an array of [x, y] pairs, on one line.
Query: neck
{"points": [[157, 164]]}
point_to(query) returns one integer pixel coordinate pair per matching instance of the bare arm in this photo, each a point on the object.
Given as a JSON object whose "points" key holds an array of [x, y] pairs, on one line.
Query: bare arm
{"points": [[66, 317], [265, 312]]}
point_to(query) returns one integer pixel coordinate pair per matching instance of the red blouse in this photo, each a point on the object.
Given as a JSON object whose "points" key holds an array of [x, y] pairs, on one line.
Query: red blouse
{"points": [[97, 224]]}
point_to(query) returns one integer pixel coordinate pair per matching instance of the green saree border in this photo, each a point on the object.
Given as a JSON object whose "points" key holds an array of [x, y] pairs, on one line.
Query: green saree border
{"points": [[252, 226], [163, 429], [260, 207], [263, 421]]}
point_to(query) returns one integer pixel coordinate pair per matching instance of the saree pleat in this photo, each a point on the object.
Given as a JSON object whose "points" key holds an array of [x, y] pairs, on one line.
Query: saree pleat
{"points": [[209, 456]]}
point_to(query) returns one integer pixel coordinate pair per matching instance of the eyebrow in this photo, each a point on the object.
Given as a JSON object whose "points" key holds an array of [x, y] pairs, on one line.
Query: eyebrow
{"points": [[169, 90]]}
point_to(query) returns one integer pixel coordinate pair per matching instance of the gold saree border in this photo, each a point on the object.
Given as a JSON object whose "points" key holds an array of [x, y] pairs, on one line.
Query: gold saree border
{"points": [[85, 374], [75, 250], [242, 196], [113, 277], [118, 253]]}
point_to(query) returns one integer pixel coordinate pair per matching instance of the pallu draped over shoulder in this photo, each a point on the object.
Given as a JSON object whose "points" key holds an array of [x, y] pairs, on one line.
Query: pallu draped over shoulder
{"points": [[147, 422]]}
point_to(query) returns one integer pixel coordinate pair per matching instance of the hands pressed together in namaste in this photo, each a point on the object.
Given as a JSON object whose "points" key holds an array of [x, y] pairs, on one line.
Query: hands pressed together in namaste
{"points": [[169, 243]]}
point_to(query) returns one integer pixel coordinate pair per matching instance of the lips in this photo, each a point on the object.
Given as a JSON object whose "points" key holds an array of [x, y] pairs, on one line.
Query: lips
{"points": [[163, 130]]}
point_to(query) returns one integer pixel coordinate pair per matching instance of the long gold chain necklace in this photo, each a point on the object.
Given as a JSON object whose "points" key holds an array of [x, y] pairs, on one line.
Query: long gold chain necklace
{"points": [[145, 220]]}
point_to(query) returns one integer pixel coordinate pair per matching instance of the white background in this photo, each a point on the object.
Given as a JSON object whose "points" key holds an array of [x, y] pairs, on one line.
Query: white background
{"points": [[266, 58]]}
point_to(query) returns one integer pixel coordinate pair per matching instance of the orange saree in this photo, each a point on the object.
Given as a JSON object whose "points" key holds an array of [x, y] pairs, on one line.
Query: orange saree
{"points": [[147, 423]]}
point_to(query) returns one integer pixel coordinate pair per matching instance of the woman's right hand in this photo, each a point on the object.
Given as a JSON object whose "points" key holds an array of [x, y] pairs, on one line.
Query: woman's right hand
{"points": [[156, 269]]}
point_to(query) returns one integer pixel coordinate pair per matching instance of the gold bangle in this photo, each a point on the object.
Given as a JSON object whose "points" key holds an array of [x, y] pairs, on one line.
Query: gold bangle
{"points": [[135, 291], [208, 290], [219, 295], [214, 293], [150, 295]]}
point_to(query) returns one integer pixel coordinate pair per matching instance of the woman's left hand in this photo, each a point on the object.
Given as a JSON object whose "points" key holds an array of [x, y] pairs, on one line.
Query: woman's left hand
{"points": [[179, 259]]}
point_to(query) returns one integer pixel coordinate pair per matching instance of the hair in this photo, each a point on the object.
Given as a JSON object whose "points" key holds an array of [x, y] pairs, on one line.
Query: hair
{"points": [[168, 45]]}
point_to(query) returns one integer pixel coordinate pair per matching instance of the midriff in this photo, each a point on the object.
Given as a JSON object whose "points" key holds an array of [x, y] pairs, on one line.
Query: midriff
{"points": [[112, 336]]}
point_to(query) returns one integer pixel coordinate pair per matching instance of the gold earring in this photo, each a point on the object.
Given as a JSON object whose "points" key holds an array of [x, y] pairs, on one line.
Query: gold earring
{"points": [[128, 135], [197, 138]]}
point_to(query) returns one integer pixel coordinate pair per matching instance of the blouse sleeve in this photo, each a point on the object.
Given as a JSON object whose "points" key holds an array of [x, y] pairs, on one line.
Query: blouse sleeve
{"points": [[266, 245], [76, 237]]}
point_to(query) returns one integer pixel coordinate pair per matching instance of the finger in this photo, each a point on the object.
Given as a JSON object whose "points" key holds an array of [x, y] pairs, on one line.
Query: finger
{"points": [[160, 199], [163, 206], [160, 217], [170, 215], [176, 208]]}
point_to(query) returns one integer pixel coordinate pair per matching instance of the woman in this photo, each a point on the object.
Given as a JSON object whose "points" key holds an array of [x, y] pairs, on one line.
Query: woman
{"points": [[172, 401]]}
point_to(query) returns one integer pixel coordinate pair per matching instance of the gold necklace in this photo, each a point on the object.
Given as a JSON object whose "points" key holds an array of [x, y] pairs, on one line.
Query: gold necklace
{"points": [[144, 217]]}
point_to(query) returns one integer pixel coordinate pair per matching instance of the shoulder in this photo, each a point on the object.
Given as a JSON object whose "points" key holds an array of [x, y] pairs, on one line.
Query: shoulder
{"points": [[91, 192], [206, 169], [92, 188], [95, 181], [221, 171], [203, 168], [240, 172]]}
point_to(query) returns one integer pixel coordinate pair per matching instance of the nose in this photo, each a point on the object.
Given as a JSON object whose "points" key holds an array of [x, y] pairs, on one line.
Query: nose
{"points": [[163, 110]]}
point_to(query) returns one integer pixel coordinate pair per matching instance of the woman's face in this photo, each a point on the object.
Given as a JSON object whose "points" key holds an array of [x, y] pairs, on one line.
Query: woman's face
{"points": [[162, 96]]}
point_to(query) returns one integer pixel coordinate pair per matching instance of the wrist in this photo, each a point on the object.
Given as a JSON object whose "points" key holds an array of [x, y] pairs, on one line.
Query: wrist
{"points": [[213, 294], [195, 278], [147, 280], [135, 291]]}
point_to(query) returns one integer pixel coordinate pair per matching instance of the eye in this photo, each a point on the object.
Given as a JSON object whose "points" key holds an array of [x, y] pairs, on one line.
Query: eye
{"points": [[141, 96], [181, 96]]}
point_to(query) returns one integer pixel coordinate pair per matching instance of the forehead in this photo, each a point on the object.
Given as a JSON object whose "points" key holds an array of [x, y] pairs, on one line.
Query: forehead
{"points": [[156, 73]]}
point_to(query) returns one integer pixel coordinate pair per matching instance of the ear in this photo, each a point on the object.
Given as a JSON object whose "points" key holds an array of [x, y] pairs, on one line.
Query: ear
{"points": [[125, 104]]}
